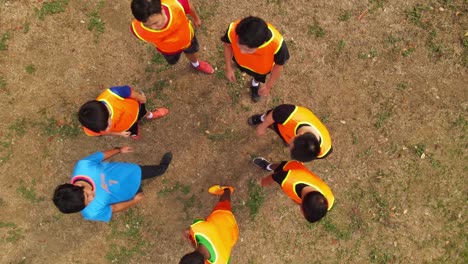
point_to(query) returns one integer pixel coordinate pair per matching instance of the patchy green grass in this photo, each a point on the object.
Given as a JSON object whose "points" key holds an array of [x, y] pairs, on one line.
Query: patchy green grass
{"points": [[382, 117], [127, 228], [206, 9], [158, 63], [51, 8], [333, 229], [316, 30], [3, 41], [30, 69], [5, 150], [19, 127], [415, 14], [341, 45], [344, 16], [376, 4], [95, 23], [234, 93], [61, 128], [256, 198], [368, 55], [28, 192], [366, 153], [3, 85], [26, 27], [378, 256], [407, 52], [435, 49], [420, 149], [401, 86], [14, 235]]}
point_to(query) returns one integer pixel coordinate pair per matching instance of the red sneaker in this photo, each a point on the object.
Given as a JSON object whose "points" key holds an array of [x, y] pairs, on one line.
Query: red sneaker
{"points": [[158, 113], [205, 67]]}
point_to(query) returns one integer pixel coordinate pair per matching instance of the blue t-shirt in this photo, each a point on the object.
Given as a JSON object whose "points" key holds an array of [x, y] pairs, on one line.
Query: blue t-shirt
{"points": [[113, 182]]}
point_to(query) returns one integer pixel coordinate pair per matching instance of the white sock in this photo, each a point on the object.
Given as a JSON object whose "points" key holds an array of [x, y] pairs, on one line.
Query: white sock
{"points": [[268, 167], [254, 83], [150, 115], [195, 64], [262, 117]]}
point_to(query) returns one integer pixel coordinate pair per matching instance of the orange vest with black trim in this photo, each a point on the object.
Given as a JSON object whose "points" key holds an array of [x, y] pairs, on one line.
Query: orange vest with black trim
{"points": [[123, 112], [262, 60], [303, 116], [221, 230], [175, 37], [297, 174]]}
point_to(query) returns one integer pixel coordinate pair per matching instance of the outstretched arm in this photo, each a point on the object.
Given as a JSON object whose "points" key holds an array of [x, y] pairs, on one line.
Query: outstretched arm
{"points": [[112, 152], [267, 121], [275, 74], [229, 72], [193, 13]]}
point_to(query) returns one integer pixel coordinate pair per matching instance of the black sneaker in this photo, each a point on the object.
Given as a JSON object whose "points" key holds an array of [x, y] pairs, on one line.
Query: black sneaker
{"points": [[254, 93], [166, 159], [254, 120], [262, 163]]}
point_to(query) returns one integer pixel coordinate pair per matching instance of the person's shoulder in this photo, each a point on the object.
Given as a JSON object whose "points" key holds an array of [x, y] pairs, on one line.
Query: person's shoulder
{"points": [[98, 210]]}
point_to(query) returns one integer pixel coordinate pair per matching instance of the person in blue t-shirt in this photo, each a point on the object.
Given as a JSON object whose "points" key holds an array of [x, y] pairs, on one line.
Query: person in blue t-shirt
{"points": [[99, 188]]}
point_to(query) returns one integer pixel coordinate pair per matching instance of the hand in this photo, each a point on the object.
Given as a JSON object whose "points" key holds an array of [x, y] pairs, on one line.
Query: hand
{"points": [[197, 22], [142, 98], [138, 197], [261, 130], [264, 90], [125, 134], [126, 149], [186, 235], [230, 75]]}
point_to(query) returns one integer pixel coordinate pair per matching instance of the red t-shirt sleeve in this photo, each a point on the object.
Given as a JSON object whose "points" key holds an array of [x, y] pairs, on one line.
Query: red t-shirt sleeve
{"points": [[185, 4]]}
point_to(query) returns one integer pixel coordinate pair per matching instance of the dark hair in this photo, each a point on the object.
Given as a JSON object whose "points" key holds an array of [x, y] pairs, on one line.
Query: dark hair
{"points": [[252, 32], [306, 147], [94, 116], [69, 198], [193, 258], [143, 9], [314, 206]]}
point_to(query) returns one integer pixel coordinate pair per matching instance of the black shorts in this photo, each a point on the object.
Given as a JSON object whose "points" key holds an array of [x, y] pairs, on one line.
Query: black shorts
{"points": [[174, 58]]}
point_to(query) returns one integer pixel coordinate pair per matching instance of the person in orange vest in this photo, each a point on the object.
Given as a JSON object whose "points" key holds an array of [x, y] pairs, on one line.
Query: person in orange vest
{"points": [[214, 237], [116, 112], [301, 185], [165, 24], [297, 126], [257, 49]]}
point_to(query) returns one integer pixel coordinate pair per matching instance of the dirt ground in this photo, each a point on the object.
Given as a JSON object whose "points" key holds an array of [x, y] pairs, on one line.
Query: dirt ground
{"points": [[390, 84]]}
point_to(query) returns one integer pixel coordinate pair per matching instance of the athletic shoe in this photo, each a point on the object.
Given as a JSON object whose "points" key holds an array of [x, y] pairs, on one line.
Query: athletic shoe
{"points": [[158, 113], [166, 159], [219, 190], [254, 120], [205, 67], [254, 93], [262, 163]]}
